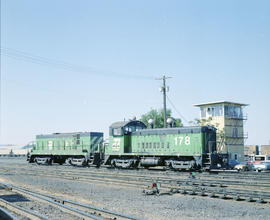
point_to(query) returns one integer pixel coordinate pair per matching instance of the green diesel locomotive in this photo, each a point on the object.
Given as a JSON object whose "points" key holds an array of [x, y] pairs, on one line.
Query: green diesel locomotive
{"points": [[78, 148], [131, 144]]}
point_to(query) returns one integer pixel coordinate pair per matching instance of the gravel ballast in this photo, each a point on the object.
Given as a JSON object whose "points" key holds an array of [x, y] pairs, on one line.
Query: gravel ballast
{"points": [[130, 200]]}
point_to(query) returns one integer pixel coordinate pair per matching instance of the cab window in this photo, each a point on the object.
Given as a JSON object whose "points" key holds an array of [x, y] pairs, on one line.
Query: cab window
{"points": [[132, 128], [117, 132], [129, 129]]}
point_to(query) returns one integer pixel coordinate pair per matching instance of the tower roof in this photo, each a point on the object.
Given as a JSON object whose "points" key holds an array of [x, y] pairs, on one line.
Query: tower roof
{"points": [[220, 102]]}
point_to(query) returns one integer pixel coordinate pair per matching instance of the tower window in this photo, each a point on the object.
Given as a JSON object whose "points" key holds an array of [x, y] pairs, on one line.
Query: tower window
{"points": [[235, 132]]}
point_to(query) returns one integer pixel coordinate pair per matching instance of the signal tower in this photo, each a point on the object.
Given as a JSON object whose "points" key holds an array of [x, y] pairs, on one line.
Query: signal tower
{"points": [[228, 118]]}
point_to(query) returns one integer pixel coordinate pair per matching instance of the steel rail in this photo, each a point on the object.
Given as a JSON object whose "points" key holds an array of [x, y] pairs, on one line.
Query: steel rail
{"points": [[261, 195], [60, 202], [5, 214], [131, 175], [205, 180], [35, 195], [169, 180], [96, 209], [22, 211], [225, 182], [224, 194], [210, 175], [199, 181], [186, 182], [141, 172], [155, 170]]}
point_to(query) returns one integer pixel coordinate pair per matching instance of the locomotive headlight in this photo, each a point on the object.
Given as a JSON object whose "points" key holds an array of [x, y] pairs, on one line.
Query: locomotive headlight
{"points": [[151, 122], [169, 120]]}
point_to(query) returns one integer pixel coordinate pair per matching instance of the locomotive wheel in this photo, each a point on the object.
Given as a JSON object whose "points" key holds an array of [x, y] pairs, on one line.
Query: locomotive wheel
{"points": [[84, 163], [113, 164], [136, 165], [49, 161]]}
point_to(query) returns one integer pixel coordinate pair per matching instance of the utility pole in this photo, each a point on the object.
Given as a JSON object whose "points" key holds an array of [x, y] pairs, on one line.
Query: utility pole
{"points": [[164, 89]]}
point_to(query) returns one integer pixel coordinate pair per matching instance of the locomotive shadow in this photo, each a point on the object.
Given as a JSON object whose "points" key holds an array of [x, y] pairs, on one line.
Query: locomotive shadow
{"points": [[14, 198]]}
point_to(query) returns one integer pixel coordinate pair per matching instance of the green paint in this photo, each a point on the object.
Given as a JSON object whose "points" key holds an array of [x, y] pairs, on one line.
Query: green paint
{"points": [[72, 144], [190, 144]]}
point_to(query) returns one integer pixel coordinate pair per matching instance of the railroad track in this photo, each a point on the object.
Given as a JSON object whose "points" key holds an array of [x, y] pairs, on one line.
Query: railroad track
{"points": [[211, 179], [201, 179], [190, 187], [7, 215], [85, 170], [84, 211], [214, 186], [234, 194], [194, 186]]}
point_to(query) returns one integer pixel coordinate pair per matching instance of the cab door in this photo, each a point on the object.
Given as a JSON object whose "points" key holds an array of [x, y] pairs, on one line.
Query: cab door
{"points": [[127, 138], [127, 143]]}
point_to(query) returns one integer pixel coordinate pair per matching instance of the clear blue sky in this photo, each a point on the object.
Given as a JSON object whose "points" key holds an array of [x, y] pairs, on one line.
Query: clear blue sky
{"points": [[82, 65]]}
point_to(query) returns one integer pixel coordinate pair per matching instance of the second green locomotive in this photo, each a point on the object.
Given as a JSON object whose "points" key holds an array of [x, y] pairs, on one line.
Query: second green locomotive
{"points": [[132, 145], [77, 148]]}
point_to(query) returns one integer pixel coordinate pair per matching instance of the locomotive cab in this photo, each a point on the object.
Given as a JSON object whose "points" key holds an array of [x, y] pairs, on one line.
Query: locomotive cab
{"points": [[120, 141], [120, 134], [125, 128]]}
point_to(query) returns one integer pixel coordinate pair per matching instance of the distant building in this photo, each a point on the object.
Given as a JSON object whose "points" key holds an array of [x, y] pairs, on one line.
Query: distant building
{"points": [[251, 149], [13, 152], [257, 150], [228, 118], [265, 149], [30, 145]]}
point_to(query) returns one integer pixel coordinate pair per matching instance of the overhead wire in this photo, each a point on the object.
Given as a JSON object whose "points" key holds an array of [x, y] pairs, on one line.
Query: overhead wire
{"points": [[35, 59], [178, 112]]}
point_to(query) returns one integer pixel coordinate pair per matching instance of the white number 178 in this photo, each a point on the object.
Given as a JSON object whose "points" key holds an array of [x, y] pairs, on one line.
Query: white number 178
{"points": [[179, 140]]}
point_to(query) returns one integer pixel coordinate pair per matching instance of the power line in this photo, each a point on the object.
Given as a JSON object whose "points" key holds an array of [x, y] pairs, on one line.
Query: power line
{"points": [[181, 116], [35, 59]]}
